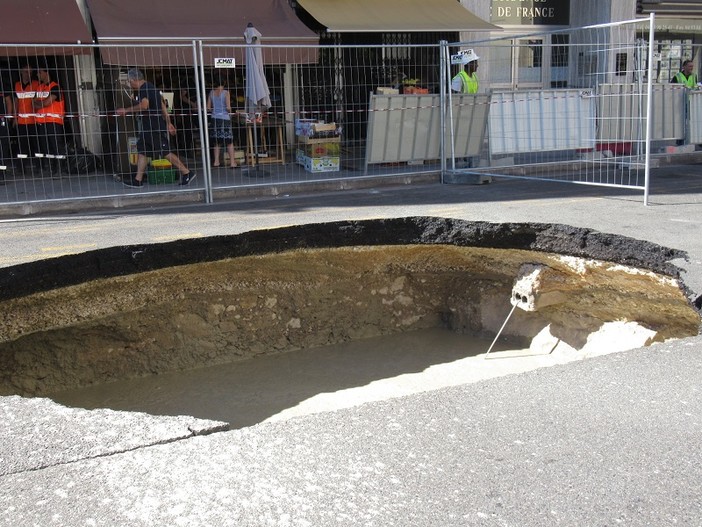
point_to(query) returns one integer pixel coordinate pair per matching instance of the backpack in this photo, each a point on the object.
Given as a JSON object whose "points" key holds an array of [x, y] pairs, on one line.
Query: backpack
{"points": [[81, 161]]}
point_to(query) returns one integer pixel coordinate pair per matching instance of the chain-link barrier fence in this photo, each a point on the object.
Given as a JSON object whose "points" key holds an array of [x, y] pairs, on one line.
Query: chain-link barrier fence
{"points": [[572, 105], [569, 105]]}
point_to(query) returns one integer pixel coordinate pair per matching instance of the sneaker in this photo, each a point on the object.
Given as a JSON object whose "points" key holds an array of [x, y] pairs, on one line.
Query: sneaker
{"points": [[187, 178], [133, 182]]}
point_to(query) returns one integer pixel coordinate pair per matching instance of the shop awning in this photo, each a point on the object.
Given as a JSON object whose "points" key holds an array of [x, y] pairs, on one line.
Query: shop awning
{"points": [[394, 16], [38, 23], [158, 32]]}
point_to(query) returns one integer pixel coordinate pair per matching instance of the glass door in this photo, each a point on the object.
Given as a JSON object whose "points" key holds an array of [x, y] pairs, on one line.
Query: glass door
{"points": [[529, 63]]}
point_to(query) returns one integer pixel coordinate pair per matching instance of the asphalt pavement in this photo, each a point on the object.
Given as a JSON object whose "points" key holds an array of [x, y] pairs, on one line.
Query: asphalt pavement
{"points": [[611, 440]]}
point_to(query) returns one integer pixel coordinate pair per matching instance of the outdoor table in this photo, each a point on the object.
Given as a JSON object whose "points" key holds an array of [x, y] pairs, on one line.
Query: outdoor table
{"points": [[275, 153]]}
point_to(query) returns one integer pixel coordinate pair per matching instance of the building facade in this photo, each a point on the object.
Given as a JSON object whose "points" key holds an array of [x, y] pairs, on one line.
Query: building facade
{"points": [[530, 61]]}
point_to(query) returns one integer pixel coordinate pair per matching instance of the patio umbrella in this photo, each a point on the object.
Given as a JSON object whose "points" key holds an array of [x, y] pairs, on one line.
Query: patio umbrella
{"points": [[258, 95]]}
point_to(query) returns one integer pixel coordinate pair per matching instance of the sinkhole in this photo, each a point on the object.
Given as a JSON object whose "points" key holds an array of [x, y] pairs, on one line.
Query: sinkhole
{"points": [[425, 285]]}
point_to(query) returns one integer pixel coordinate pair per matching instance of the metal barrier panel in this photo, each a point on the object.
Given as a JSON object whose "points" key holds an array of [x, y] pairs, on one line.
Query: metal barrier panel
{"points": [[403, 128], [470, 117], [541, 120], [407, 128], [695, 115], [622, 117]]}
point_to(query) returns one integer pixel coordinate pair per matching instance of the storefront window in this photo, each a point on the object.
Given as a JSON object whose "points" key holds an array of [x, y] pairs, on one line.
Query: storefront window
{"points": [[529, 61], [559, 61], [501, 56]]}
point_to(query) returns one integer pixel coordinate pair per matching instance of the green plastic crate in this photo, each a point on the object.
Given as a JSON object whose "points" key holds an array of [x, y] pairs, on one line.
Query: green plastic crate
{"points": [[162, 176]]}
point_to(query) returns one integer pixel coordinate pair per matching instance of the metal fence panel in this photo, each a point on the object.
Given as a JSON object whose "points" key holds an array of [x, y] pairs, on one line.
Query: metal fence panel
{"points": [[571, 132], [378, 108]]}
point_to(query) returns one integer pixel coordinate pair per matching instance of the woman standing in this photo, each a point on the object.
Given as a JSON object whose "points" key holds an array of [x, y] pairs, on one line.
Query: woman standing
{"points": [[220, 108]]}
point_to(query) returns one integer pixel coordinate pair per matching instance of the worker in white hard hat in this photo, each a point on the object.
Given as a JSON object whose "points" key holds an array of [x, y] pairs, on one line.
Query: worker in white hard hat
{"points": [[466, 81]]}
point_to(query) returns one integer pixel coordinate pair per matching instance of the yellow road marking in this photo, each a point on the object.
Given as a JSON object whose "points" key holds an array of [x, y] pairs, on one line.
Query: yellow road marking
{"points": [[67, 248], [178, 237], [57, 254], [11, 233]]}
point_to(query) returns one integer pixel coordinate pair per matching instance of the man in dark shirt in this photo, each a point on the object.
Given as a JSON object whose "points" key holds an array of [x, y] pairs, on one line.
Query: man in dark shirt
{"points": [[185, 108], [155, 127], [6, 112]]}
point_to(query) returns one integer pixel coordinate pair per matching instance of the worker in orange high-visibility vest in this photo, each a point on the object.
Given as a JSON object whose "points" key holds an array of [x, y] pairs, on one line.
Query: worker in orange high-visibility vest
{"points": [[50, 111], [25, 125]]}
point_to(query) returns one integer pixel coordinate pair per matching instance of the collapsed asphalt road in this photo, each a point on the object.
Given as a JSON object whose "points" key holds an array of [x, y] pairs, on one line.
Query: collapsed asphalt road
{"points": [[604, 441]]}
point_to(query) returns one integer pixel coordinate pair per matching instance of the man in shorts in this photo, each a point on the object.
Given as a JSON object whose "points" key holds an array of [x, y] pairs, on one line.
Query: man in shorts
{"points": [[155, 127]]}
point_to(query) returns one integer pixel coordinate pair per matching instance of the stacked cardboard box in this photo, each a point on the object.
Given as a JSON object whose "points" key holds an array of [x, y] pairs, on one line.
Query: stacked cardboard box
{"points": [[319, 145], [315, 129]]}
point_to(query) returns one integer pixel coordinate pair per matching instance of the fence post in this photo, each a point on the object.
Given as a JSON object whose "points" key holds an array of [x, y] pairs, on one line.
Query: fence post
{"points": [[443, 82], [649, 106], [202, 117]]}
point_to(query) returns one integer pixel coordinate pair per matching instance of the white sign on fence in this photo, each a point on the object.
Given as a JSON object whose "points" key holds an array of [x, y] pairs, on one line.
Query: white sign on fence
{"points": [[224, 63]]}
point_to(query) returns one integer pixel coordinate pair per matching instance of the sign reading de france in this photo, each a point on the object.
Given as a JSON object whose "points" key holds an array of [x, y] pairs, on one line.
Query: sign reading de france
{"points": [[530, 12]]}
